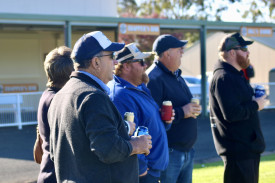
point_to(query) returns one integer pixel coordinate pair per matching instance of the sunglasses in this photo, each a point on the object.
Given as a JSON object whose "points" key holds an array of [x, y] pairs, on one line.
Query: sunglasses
{"points": [[112, 56], [244, 49], [141, 61]]}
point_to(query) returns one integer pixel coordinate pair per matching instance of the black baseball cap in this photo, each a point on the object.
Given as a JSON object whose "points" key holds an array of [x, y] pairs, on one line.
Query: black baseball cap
{"points": [[234, 41]]}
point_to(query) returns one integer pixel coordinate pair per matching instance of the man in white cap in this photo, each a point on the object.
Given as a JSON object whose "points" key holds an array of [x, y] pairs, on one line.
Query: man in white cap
{"points": [[88, 140], [166, 83], [129, 94]]}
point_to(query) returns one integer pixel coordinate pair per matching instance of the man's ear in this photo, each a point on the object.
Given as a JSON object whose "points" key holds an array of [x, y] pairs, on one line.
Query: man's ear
{"points": [[166, 53], [232, 52], [95, 62], [127, 66]]}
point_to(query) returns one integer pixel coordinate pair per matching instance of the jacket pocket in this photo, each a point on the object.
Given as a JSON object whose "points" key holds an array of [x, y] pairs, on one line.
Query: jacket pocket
{"points": [[257, 145]]}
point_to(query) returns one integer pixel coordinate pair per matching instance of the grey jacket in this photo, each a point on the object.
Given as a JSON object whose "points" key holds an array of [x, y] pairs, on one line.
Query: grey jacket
{"points": [[89, 142]]}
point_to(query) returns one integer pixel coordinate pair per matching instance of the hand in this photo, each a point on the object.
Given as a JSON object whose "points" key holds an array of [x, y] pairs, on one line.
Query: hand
{"points": [[132, 127], [145, 173], [172, 118], [141, 144], [260, 101], [191, 110]]}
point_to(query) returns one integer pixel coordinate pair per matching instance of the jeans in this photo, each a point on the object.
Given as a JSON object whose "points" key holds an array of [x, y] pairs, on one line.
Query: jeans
{"points": [[148, 179], [180, 167]]}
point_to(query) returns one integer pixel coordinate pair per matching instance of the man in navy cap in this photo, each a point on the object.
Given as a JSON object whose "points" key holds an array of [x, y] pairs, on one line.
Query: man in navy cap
{"points": [[234, 116], [88, 140], [166, 83]]}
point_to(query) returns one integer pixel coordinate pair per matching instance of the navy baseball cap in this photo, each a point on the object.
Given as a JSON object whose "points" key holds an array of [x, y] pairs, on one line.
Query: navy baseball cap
{"points": [[232, 41], [165, 42], [91, 44]]}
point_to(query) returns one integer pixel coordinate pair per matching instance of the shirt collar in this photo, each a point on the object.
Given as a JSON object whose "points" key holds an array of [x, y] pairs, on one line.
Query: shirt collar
{"points": [[177, 73], [126, 84], [96, 79]]}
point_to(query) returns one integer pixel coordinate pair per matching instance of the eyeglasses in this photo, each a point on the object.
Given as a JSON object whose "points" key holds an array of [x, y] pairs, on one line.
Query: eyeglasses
{"points": [[141, 61], [112, 56], [244, 49]]}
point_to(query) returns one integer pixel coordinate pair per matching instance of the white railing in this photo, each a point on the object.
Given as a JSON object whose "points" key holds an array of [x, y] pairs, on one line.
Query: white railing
{"points": [[19, 109]]}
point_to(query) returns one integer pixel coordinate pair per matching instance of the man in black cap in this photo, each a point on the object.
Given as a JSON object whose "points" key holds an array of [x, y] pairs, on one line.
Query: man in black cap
{"points": [[234, 116], [88, 140], [166, 83]]}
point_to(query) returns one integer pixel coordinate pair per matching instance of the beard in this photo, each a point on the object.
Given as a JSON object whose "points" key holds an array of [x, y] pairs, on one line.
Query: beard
{"points": [[145, 78], [243, 61]]}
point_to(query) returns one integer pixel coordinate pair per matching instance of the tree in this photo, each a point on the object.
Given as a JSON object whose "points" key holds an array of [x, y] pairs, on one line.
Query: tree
{"points": [[151, 9], [127, 7], [189, 10], [255, 10], [175, 9], [258, 9]]}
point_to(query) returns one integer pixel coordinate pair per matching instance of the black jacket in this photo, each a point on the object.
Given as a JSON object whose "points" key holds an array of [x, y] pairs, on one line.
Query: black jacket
{"points": [[165, 85], [89, 141], [47, 172], [234, 116]]}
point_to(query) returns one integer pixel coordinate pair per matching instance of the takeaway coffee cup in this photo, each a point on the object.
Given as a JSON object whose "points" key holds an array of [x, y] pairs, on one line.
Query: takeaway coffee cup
{"points": [[129, 116], [166, 110], [195, 101]]}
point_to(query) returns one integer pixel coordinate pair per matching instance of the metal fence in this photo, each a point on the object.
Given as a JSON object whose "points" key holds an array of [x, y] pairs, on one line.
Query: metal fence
{"points": [[19, 109]]}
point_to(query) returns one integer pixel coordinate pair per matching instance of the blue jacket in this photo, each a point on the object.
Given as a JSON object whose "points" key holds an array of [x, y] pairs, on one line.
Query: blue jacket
{"points": [[165, 85], [138, 100]]}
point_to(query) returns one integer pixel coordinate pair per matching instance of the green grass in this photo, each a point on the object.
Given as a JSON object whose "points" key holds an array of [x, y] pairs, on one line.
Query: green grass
{"points": [[213, 172]]}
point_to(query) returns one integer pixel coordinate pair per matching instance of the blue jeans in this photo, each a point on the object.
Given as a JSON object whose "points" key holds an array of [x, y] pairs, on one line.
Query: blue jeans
{"points": [[148, 179], [180, 167]]}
